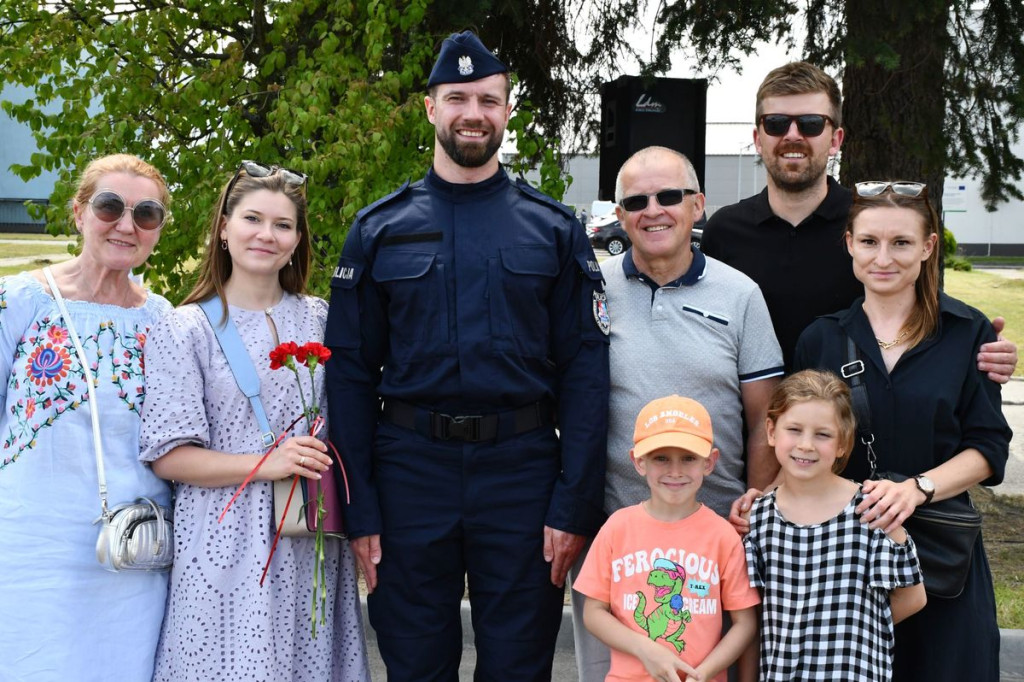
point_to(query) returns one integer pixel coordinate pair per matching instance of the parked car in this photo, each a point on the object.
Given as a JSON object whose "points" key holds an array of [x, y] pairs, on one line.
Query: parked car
{"points": [[607, 233]]}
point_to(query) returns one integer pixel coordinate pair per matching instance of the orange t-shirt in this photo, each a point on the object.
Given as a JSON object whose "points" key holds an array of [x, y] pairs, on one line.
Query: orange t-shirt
{"points": [[668, 581]]}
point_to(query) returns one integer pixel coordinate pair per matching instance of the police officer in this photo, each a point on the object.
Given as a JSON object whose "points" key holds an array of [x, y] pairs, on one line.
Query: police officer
{"points": [[467, 313]]}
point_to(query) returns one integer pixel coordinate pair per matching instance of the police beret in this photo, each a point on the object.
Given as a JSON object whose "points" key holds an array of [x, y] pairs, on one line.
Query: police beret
{"points": [[463, 59]]}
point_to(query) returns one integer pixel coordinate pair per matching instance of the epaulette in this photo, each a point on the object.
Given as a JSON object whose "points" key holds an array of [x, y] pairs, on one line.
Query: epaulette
{"points": [[535, 194], [386, 199]]}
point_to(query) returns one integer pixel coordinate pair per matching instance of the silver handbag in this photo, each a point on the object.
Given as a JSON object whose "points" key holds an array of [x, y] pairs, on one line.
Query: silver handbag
{"points": [[136, 536]]}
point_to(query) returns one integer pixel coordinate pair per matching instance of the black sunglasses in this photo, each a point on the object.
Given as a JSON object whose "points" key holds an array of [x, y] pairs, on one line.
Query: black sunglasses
{"points": [[809, 125], [872, 188], [109, 206], [255, 169], [666, 197]]}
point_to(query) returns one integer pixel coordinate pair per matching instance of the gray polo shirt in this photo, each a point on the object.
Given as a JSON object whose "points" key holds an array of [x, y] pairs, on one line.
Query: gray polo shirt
{"points": [[700, 337]]}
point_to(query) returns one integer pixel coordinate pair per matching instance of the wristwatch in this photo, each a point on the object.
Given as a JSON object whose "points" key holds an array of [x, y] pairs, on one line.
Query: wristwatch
{"points": [[925, 485]]}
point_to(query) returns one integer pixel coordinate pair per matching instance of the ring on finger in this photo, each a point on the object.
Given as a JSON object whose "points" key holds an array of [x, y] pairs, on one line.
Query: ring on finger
{"points": [[302, 461]]}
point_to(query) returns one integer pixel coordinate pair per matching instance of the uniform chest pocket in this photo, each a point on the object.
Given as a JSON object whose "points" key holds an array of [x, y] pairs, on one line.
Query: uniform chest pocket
{"points": [[520, 285], [417, 301]]}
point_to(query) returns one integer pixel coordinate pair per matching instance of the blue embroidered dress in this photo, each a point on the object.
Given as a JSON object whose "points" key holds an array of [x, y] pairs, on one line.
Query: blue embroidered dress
{"points": [[62, 616]]}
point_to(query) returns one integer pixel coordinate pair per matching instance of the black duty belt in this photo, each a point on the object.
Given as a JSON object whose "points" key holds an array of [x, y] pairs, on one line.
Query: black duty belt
{"points": [[471, 428]]}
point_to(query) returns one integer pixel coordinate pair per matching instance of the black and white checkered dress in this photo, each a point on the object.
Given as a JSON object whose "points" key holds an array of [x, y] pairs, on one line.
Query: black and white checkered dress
{"points": [[825, 591]]}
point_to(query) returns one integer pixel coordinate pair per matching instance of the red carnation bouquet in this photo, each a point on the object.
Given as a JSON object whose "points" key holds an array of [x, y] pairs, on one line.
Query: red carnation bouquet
{"points": [[291, 355]]}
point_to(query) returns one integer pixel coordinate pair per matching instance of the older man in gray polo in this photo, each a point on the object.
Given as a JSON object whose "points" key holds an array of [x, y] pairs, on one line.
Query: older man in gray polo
{"points": [[680, 323]]}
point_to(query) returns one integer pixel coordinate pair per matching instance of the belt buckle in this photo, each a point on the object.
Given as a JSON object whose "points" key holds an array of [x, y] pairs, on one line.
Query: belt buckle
{"points": [[462, 427]]}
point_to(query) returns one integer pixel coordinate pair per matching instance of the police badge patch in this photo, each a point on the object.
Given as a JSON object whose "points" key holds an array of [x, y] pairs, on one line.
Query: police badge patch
{"points": [[604, 323], [465, 65]]}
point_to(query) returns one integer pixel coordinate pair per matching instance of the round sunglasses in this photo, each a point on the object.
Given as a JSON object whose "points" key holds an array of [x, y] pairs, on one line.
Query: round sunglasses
{"points": [[108, 206], [666, 197], [809, 125]]}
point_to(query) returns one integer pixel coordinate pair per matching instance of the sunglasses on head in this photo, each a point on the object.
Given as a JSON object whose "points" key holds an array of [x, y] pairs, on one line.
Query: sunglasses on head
{"points": [[666, 197], [255, 169], [108, 206], [873, 188], [809, 125]]}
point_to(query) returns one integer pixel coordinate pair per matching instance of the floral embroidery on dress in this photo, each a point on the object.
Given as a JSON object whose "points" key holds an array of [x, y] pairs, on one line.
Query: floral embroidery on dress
{"points": [[48, 364], [48, 376]]}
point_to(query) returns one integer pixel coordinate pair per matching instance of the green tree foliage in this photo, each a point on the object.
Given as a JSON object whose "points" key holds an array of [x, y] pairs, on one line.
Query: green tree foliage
{"points": [[930, 87], [332, 88]]}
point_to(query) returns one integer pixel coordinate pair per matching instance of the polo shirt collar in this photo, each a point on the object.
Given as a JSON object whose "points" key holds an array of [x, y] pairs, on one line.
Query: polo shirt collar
{"points": [[835, 206], [698, 268]]}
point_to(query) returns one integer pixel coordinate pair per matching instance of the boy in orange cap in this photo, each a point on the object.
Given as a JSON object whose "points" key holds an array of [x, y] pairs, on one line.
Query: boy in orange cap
{"points": [[660, 574]]}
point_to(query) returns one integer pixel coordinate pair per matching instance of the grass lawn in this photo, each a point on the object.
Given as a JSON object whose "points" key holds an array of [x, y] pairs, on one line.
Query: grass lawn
{"points": [[25, 267], [44, 236], [993, 295], [1003, 518], [23, 249]]}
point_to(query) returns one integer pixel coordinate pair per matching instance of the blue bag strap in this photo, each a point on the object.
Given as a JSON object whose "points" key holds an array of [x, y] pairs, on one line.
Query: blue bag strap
{"points": [[239, 362]]}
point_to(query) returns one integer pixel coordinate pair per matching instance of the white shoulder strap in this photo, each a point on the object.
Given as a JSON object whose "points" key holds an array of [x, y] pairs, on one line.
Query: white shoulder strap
{"points": [[90, 380]]}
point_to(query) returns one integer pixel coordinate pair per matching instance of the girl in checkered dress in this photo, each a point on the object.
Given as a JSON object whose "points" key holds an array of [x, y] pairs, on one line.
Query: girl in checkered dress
{"points": [[832, 588]]}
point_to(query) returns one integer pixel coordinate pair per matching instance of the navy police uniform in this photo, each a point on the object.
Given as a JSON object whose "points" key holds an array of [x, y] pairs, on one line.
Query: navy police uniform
{"points": [[464, 319]]}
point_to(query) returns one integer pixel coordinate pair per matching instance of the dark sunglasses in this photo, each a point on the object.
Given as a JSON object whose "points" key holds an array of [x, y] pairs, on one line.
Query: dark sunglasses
{"points": [[873, 188], [809, 125], [666, 197], [255, 169], [109, 206]]}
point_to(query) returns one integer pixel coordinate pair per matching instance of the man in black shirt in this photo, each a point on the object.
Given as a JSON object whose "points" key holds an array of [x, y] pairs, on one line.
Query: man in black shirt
{"points": [[789, 238]]}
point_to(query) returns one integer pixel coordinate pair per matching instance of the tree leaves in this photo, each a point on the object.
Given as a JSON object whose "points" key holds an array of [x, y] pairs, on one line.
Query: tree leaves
{"points": [[195, 87]]}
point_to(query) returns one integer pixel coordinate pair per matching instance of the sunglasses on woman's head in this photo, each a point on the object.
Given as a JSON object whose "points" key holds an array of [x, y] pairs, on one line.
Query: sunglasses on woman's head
{"points": [[666, 197], [872, 188], [108, 206], [809, 125], [255, 169]]}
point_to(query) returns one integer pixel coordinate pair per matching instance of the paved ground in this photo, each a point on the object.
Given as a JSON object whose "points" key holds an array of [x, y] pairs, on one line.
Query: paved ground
{"points": [[1013, 409], [23, 260]]}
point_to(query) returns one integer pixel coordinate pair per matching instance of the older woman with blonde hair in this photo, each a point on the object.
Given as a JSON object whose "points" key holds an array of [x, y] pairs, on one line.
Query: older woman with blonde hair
{"points": [[64, 616]]}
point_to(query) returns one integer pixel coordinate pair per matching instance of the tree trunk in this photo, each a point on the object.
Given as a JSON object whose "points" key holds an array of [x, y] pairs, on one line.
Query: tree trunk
{"points": [[893, 109]]}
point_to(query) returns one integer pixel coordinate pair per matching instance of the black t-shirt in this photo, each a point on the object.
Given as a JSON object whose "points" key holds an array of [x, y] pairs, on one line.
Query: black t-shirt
{"points": [[803, 271]]}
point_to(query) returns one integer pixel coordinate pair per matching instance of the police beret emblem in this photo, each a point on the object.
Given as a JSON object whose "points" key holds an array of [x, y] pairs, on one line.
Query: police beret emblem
{"points": [[465, 65], [604, 323]]}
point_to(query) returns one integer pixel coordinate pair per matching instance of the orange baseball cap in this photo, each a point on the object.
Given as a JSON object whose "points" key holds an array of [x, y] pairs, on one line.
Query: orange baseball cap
{"points": [[673, 422]]}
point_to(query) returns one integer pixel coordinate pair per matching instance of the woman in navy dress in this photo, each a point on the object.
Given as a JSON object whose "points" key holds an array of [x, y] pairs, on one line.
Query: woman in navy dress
{"points": [[935, 417]]}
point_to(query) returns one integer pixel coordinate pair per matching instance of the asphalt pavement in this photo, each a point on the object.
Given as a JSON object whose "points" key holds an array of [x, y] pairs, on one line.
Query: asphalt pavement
{"points": [[1013, 410]]}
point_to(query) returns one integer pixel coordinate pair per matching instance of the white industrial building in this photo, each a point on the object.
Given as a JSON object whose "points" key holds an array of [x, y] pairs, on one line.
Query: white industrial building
{"points": [[17, 148]]}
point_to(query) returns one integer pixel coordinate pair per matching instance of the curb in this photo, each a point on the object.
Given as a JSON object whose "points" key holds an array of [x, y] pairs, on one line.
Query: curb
{"points": [[1011, 655]]}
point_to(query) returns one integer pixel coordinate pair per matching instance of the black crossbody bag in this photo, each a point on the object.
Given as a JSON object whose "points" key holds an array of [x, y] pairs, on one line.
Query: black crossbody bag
{"points": [[944, 532]]}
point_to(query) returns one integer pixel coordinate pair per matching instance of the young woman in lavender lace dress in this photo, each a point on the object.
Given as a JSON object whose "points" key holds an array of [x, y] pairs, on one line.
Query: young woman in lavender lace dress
{"points": [[200, 431]]}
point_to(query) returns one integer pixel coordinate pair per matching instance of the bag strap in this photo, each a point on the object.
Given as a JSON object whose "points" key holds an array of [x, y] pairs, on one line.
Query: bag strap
{"points": [[852, 371], [94, 406], [239, 361]]}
